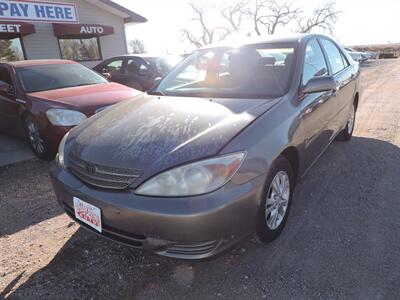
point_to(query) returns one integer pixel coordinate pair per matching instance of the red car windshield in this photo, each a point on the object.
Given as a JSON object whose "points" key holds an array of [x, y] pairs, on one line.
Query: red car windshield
{"points": [[56, 76]]}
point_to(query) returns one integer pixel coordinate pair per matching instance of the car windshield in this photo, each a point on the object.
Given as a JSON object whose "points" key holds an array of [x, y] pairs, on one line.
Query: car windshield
{"points": [[251, 71], [56, 76], [163, 64]]}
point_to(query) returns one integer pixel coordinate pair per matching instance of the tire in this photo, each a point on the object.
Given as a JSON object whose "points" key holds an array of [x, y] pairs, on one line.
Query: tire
{"points": [[36, 141], [346, 134], [267, 230]]}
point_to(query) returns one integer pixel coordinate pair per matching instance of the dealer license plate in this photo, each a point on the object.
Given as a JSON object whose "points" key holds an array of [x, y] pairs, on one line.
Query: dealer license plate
{"points": [[87, 213]]}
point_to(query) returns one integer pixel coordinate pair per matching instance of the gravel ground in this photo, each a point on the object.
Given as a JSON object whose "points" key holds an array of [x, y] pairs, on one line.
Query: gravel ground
{"points": [[341, 240]]}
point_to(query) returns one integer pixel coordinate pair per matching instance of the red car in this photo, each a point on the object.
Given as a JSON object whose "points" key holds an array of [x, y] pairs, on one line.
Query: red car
{"points": [[44, 99]]}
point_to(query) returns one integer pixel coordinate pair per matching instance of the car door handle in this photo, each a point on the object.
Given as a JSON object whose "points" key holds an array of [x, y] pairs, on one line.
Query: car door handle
{"points": [[20, 101]]}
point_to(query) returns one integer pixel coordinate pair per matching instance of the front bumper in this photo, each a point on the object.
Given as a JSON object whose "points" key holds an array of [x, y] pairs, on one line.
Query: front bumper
{"points": [[183, 227]]}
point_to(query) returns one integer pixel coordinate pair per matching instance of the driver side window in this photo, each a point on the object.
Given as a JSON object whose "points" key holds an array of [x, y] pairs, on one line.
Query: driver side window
{"points": [[314, 62]]}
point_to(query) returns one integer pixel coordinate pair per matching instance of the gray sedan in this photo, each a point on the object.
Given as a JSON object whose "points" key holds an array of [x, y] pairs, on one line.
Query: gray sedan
{"points": [[211, 155]]}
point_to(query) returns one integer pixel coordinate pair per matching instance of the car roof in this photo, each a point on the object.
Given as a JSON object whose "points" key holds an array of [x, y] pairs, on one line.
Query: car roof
{"points": [[38, 62], [144, 55], [293, 38]]}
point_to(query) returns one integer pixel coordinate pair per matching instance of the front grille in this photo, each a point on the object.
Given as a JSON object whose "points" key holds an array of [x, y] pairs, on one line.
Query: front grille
{"points": [[102, 176]]}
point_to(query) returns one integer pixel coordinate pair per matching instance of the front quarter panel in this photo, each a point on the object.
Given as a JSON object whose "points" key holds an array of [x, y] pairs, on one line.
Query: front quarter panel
{"points": [[266, 138]]}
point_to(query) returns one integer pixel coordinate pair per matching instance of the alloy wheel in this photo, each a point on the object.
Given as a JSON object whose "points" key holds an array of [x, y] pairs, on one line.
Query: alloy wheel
{"points": [[277, 200], [350, 121], [34, 137]]}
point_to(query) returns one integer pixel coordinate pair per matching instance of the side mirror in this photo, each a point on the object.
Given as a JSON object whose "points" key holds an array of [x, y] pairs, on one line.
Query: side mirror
{"points": [[106, 75], [6, 88], [320, 84]]}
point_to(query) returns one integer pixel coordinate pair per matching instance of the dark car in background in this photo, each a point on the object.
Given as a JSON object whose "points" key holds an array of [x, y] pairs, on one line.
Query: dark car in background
{"points": [[44, 99], [389, 52], [139, 71], [211, 155]]}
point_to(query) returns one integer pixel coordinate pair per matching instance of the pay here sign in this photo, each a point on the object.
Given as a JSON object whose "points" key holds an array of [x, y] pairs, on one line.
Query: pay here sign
{"points": [[38, 11]]}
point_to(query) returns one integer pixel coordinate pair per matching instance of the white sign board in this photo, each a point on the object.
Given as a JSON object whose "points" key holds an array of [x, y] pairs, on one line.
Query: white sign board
{"points": [[38, 11]]}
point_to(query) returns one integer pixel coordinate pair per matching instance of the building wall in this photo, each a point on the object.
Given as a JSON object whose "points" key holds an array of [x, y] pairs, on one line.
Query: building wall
{"points": [[44, 44]]}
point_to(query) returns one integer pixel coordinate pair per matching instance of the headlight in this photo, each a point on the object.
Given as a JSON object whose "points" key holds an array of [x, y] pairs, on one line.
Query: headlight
{"points": [[65, 117], [195, 178], [61, 149]]}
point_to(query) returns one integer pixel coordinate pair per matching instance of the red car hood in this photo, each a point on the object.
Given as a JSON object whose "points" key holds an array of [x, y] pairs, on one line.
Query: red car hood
{"points": [[88, 96]]}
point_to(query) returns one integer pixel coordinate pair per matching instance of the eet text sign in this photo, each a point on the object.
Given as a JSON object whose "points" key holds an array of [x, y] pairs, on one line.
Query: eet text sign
{"points": [[38, 11]]}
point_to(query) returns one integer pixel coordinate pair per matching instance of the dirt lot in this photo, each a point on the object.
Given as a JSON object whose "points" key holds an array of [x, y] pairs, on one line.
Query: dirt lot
{"points": [[342, 239]]}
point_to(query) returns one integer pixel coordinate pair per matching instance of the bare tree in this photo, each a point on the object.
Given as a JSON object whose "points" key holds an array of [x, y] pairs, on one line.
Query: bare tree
{"points": [[7, 53], [207, 31], [323, 17], [265, 16], [136, 46], [231, 19], [270, 14], [192, 38], [234, 14]]}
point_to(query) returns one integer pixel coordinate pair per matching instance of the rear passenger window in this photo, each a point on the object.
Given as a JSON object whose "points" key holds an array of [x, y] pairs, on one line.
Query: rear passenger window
{"points": [[113, 67], [314, 62], [335, 57]]}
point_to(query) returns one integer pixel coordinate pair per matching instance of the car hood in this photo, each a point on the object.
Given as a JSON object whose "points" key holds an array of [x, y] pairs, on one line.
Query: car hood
{"points": [[152, 133], [87, 96]]}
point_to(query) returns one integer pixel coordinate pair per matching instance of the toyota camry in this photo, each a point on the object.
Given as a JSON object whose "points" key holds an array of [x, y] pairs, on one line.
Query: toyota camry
{"points": [[211, 155]]}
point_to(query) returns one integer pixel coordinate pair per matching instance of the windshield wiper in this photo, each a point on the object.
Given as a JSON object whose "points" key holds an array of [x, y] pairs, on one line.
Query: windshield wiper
{"points": [[76, 85]]}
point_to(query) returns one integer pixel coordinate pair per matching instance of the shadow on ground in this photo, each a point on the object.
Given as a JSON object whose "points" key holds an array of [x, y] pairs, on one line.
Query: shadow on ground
{"points": [[26, 196], [341, 241], [13, 150]]}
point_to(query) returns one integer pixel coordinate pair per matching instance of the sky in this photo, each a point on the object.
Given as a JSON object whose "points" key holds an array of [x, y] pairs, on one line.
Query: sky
{"points": [[360, 22]]}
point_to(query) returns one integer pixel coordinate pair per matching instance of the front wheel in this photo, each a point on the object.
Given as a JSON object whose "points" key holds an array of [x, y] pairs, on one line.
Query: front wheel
{"points": [[37, 142], [276, 201], [346, 134]]}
